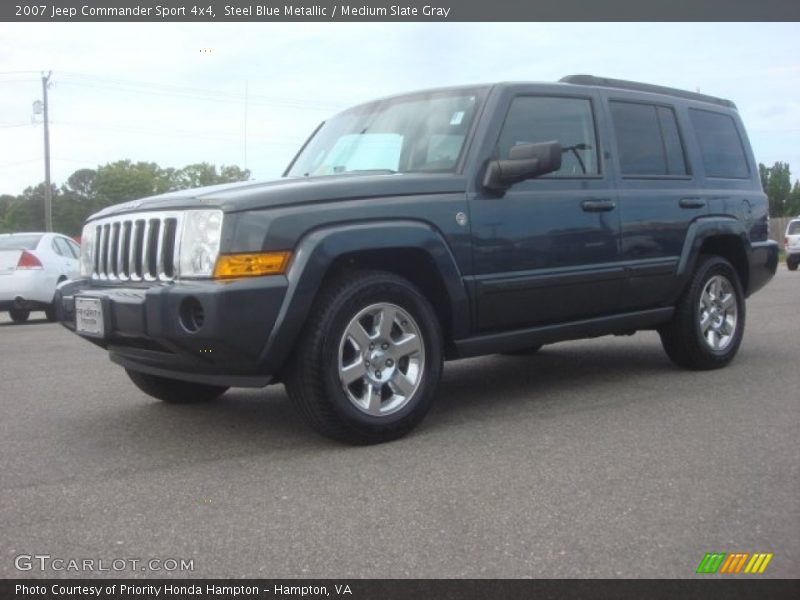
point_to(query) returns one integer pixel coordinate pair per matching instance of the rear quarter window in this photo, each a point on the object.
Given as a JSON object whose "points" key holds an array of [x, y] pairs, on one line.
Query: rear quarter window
{"points": [[720, 144]]}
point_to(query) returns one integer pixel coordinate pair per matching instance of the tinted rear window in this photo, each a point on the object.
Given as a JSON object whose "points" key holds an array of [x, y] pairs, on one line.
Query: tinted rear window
{"points": [[794, 228], [648, 140], [19, 242], [720, 144]]}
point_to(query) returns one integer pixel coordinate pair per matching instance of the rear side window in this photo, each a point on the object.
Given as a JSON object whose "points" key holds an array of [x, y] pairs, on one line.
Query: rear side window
{"points": [[720, 144], [76, 249], [648, 140], [569, 121], [62, 247], [19, 242]]}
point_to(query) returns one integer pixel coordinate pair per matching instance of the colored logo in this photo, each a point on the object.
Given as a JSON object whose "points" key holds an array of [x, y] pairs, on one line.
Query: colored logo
{"points": [[735, 562]]}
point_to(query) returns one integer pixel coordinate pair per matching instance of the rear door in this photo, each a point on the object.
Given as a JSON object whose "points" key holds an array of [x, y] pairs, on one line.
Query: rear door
{"points": [[658, 195]]}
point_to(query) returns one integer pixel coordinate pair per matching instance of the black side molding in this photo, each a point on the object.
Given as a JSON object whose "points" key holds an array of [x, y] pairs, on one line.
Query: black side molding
{"points": [[508, 341]]}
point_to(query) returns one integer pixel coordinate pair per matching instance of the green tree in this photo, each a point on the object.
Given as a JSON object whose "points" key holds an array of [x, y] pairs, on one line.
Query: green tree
{"points": [[87, 191], [26, 212], [6, 200], [777, 183], [82, 183], [123, 180], [203, 174], [793, 205]]}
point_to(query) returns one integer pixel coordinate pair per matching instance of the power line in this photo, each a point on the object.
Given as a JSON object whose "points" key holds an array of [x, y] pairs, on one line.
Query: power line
{"points": [[176, 133], [160, 89], [19, 162]]}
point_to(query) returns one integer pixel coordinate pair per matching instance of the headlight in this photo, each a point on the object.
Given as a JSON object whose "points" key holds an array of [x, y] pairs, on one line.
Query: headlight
{"points": [[87, 250], [199, 249]]}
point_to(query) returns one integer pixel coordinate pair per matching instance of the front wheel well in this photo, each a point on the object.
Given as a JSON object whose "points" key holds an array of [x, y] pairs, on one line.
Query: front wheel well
{"points": [[731, 248], [413, 264]]}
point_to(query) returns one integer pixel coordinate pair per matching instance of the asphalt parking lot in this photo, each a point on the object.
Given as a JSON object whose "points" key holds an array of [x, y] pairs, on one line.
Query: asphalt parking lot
{"points": [[592, 459]]}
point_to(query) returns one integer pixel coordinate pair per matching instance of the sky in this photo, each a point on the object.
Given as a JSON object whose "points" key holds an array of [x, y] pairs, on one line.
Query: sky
{"points": [[249, 94]]}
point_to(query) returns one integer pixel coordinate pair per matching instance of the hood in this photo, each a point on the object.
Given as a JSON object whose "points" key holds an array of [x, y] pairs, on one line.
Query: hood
{"points": [[249, 195]]}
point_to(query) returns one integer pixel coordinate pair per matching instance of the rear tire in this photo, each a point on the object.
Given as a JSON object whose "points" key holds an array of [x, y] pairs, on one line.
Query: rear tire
{"points": [[791, 265], [19, 315], [173, 390], [707, 327], [366, 368]]}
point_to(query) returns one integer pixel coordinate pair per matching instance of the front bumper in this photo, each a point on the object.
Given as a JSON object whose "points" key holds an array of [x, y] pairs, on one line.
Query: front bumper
{"points": [[143, 329], [763, 264]]}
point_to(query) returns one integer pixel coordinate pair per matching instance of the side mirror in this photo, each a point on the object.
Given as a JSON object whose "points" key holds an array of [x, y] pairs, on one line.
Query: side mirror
{"points": [[525, 161]]}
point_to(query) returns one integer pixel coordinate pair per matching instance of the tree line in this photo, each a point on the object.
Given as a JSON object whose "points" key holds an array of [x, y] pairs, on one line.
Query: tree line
{"points": [[87, 191], [784, 198], [90, 190]]}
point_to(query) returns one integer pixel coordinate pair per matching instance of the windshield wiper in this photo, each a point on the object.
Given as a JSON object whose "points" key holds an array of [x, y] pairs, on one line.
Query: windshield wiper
{"points": [[387, 171]]}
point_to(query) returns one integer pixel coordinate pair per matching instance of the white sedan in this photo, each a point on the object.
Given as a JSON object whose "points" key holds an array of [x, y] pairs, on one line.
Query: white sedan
{"points": [[31, 266]]}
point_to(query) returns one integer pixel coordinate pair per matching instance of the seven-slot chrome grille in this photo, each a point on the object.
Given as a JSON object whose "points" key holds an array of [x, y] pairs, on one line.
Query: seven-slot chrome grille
{"points": [[137, 247]]}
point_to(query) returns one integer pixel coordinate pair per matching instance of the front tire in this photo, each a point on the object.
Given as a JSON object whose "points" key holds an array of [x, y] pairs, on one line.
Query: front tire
{"points": [[19, 315], [707, 327], [173, 390], [366, 368], [791, 265]]}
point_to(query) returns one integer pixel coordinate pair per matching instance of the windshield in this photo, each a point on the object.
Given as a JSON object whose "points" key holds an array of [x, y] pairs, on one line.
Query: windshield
{"points": [[419, 133], [19, 242]]}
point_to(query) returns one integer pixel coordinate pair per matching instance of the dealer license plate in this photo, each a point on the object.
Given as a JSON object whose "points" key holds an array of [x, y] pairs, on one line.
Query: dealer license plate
{"points": [[89, 317]]}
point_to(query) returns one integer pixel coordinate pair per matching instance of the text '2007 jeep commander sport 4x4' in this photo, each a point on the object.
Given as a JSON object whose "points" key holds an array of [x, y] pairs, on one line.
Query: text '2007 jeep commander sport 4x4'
{"points": [[436, 225]]}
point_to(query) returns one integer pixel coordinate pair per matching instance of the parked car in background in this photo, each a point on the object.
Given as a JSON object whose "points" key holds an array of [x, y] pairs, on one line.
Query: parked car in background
{"points": [[31, 266], [791, 243]]}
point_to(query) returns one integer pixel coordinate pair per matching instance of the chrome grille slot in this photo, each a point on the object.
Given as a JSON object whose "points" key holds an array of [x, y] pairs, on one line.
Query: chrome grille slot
{"points": [[113, 254], [138, 247], [136, 252], [104, 252], [123, 257]]}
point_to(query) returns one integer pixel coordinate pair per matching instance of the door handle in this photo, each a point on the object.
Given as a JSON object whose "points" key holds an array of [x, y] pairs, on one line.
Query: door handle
{"points": [[598, 205], [692, 203]]}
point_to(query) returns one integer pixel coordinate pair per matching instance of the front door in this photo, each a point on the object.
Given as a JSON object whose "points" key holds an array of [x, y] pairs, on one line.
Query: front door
{"points": [[547, 250]]}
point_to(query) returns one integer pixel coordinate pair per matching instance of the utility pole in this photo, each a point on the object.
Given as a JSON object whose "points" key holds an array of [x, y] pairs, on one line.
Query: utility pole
{"points": [[246, 98], [48, 196]]}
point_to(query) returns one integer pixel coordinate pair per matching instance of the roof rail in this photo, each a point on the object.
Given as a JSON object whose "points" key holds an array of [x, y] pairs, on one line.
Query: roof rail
{"points": [[643, 87]]}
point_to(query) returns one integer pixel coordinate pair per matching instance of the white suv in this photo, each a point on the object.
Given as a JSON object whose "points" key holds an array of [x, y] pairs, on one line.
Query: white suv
{"points": [[791, 243]]}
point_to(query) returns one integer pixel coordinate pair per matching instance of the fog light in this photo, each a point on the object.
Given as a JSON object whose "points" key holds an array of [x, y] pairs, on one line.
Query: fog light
{"points": [[191, 314]]}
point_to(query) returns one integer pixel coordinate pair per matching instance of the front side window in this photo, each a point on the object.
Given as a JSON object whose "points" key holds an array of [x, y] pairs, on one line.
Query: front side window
{"points": [[569, 121], [648, 140], [419, 133], [720, 144]]}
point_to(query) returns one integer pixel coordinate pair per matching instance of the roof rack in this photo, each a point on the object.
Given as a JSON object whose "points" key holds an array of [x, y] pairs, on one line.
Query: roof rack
{"points": [[643, 87]]}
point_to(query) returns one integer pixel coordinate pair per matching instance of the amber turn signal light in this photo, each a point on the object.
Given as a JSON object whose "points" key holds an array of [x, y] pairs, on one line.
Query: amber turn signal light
{"points": [[251, 265]]}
